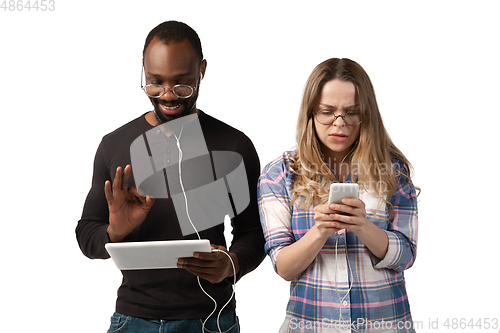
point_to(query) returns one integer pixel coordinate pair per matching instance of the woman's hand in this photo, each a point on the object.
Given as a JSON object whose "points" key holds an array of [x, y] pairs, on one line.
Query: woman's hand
{"points": [[352, 215], [324, 218], [295, 258], [349, 215]]}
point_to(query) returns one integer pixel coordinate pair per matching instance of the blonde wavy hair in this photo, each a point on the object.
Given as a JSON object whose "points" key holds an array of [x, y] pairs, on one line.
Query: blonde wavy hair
{"points": [[372, 154]]}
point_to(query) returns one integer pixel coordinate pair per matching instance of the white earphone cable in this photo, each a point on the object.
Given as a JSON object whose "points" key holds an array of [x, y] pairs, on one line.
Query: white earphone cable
{"points": [[350, 275], [214, 250]]}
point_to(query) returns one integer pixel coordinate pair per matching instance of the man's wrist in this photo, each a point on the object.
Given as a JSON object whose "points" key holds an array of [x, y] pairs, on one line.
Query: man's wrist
{"points": [[236, 264], [113, 238]]}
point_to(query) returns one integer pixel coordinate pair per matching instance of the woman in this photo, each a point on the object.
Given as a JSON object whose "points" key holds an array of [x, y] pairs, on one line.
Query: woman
{"points": [[345, 261]]}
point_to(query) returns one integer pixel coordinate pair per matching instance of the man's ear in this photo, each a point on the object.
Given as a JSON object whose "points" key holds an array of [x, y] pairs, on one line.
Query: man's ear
{"points": [[203, 68]]}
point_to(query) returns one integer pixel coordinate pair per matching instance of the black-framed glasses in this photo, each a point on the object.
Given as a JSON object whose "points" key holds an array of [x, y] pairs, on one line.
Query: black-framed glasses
{"points": [[328, 117], [157, 90]]}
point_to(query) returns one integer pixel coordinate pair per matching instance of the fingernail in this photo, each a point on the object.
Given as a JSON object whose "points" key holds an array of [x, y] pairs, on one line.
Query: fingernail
{"points": [[196, 255], [180, 261]]}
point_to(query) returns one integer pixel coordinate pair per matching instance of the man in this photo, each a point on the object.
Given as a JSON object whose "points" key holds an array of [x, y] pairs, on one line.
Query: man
{"points": [[116, 208]]}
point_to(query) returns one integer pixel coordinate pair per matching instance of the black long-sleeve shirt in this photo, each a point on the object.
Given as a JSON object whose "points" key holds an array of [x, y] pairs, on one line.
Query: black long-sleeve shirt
{"points": [[171, 294]]}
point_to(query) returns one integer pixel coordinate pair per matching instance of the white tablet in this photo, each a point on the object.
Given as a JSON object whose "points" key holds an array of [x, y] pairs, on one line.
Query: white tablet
{"points": [[154, 255]]}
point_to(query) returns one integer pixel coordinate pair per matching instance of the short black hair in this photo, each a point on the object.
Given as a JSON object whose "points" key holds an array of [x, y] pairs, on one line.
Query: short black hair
{"points": [[174, 32]]}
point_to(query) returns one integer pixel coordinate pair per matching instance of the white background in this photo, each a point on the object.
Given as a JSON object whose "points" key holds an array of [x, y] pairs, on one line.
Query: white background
{"points": [[70, 76]]}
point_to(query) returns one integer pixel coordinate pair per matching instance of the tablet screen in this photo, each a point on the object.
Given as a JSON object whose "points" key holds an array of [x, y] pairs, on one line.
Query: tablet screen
{"points": [[154, 255]]}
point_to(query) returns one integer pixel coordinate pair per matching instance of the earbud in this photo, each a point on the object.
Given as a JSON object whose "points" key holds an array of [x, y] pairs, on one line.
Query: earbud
{"points": [[201, 76]]}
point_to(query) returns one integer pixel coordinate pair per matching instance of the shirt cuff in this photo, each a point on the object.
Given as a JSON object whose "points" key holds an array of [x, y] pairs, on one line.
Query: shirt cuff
{"points": [[393, 255]]}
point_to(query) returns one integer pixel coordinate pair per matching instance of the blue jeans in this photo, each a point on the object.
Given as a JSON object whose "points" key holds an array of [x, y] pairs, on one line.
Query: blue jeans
{"points": [[128, 324]]}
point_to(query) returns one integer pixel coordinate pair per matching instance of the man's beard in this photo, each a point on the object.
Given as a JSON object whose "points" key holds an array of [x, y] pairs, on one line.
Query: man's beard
{"points": [[188, 104]]}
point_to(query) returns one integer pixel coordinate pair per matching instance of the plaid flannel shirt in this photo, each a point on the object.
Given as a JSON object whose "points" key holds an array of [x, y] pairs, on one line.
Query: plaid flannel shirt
{"points": [[346, 288]]}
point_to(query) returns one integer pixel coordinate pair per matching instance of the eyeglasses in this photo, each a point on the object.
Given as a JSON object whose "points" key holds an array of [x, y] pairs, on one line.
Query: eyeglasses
{"points": [[179, 90], [327, 117], [157, 90]]}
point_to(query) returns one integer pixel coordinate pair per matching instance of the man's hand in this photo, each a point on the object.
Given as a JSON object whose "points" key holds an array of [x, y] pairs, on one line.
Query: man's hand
{"points": [[213, 266], [127, 208]]}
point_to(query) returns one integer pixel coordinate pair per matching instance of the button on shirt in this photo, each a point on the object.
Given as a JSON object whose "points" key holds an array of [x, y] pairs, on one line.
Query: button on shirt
{"points": [[346, 287]]}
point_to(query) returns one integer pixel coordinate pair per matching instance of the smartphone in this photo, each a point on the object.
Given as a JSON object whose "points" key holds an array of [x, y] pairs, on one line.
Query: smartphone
{"points": [[339, 191]]}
